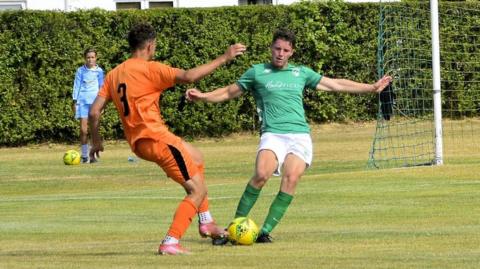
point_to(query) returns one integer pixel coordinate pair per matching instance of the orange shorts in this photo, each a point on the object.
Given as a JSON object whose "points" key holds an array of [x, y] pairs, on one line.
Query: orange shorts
{"points": [[170, 154]]}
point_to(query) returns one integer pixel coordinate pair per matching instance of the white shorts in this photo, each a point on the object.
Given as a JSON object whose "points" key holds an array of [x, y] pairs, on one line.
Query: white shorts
{"points": [[283, 144]]}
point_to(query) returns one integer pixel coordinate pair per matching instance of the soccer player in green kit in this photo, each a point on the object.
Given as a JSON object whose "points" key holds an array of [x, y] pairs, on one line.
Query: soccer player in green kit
{"points": [[285, 145]]}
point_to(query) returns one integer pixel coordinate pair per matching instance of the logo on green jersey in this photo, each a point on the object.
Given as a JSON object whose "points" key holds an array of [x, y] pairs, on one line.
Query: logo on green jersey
{"points": [[296, 71], [279, 84]]}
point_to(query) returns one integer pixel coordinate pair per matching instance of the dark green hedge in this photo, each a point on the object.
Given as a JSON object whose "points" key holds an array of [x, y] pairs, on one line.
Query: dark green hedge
{"points": [[40, 52]]}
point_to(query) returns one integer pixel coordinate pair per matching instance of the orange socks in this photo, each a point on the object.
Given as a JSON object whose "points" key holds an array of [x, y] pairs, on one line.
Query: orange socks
{"points": [[182, 218], [203, 206], [186, 211], [204, 215]]}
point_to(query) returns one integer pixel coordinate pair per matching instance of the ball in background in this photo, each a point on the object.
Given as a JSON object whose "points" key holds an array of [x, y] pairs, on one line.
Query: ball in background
{"points": [[242, 231], [71, 157]]}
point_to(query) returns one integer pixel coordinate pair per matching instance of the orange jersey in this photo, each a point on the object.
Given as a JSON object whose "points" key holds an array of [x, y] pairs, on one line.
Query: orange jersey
{"points": [[135, 86]]}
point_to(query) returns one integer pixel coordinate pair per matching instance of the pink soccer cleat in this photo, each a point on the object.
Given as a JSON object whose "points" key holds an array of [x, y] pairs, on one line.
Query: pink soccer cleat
{"points": [[172, 249], [211, 230]]}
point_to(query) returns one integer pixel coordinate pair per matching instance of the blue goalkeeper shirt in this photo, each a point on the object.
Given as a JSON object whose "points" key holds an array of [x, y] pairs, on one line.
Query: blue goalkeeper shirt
{"points": [[87, 83]]}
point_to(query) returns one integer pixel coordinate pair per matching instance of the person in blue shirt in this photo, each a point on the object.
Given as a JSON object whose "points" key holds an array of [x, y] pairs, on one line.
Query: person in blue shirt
{"points": [[88, 80]]}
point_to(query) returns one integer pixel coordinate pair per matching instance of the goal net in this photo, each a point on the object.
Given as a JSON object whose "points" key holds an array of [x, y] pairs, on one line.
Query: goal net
{"points": [[405, 132]]}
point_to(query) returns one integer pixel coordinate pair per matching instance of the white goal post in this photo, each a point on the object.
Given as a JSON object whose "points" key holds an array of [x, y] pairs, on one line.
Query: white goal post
{"points": [[431, 112]]}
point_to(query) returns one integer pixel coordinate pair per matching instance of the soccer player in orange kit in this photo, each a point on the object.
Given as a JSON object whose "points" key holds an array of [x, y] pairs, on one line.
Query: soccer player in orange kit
{"points": [[135, 87]]}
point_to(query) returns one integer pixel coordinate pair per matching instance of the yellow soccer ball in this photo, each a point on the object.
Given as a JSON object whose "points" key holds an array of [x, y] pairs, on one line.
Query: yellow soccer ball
{"points": [[242, 231], [71, 157]]}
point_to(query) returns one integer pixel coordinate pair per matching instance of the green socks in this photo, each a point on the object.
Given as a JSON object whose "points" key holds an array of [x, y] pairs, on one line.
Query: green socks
{"points": [[247, 201], [277, 210]]}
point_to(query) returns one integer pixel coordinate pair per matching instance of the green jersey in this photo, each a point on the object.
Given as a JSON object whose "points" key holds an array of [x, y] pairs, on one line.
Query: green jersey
{"points": [[278, 94]]}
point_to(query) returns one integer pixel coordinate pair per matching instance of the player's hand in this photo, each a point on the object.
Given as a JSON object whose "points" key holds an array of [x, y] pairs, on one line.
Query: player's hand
{"points": [[95, 150], [194, 95], [234, 51], [382, 83], [74, 107]]}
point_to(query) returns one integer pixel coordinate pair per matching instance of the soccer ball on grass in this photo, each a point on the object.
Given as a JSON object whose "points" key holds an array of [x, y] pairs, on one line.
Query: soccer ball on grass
{"points": [[242, 231], [71, 157]]}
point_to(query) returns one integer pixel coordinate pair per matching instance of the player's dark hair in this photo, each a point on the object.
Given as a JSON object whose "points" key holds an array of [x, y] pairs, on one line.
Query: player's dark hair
{"points": [[140, 34], [284, 34], [88, 50]]}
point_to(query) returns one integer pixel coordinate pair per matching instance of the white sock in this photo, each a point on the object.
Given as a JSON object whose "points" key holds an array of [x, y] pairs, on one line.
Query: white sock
{"points": [[84, 150], [205, 217], [169, 240]]}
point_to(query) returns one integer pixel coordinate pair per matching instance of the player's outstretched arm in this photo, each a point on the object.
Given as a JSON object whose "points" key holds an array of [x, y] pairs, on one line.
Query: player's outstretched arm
{"points": [[197, 73], [215, 96], [94, 121], [349, 86]]}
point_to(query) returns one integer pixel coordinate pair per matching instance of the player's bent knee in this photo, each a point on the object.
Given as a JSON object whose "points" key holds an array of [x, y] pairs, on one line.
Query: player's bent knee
{"points": [[291, 179], [196, 189], [260, 179]]}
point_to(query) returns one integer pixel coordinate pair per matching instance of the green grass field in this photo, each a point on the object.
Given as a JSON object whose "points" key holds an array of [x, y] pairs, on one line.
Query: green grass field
{"points": [[113, 214]]}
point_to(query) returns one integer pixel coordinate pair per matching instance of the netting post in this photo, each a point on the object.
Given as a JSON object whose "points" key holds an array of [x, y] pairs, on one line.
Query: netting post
{"points": [[437, 97]]}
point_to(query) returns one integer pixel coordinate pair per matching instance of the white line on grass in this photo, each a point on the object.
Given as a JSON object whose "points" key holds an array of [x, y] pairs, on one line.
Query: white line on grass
{"points": [[126, 197]]}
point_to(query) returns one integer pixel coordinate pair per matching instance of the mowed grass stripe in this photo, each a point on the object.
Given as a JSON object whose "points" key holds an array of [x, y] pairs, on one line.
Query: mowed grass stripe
{"points": [[114, 214]]}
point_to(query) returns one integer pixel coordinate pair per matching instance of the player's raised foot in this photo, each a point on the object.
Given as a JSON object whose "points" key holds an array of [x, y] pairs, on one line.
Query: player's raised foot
{"points": [[172, 249], [211, 230], [264, 238], [84, 160]]}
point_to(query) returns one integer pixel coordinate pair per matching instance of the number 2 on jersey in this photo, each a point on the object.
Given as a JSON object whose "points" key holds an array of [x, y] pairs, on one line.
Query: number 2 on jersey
{"points": [[122, 87]]}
